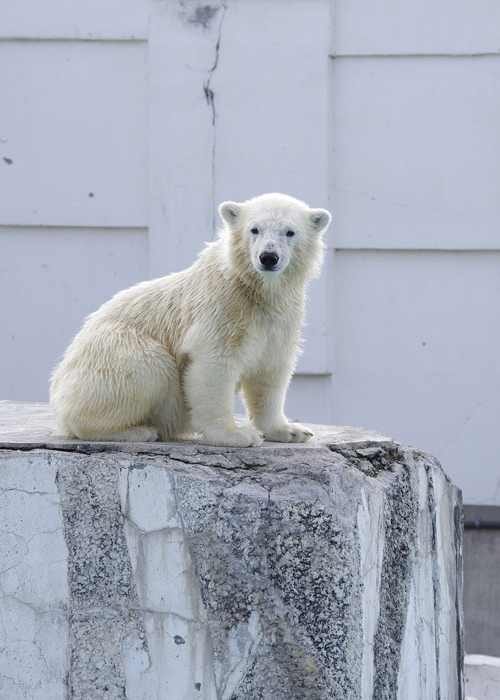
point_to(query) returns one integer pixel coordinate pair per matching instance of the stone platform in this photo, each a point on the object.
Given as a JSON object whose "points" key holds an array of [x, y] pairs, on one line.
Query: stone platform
{"points": [[178, 571]]}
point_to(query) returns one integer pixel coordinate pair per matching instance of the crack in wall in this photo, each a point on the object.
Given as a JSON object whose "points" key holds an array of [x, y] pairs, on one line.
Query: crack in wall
{"points": [[35, 608], [209, 93], [407, 205], [210, 98], [26, 543], [29, 493], [38, 671], [466, 420]]}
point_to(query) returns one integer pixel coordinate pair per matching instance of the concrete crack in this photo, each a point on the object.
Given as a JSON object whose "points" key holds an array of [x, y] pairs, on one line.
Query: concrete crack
{"points": [[209, 93], [29, 493], [210, 97], [406, 205], [466, 420], [35, 608]]}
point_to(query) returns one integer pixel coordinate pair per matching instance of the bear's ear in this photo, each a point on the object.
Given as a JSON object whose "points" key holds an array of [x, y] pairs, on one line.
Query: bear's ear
{"points": [[230, 212], [320, 218]]}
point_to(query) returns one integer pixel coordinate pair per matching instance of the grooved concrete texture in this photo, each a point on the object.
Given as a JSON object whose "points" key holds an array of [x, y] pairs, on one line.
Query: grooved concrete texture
{"points": [[162, 571]]}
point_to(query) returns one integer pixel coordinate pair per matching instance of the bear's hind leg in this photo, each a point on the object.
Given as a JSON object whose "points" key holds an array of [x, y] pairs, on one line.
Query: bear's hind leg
{"points": [[111, 387], [135, 433], [172, 419]]}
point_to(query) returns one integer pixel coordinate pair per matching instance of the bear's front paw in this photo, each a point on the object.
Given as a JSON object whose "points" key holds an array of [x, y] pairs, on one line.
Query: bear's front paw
{"points": [[239, 437], [291, 432]]}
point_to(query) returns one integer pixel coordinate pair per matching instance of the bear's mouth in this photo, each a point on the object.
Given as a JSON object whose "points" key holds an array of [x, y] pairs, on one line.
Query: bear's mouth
{"points": [[269, 271]]}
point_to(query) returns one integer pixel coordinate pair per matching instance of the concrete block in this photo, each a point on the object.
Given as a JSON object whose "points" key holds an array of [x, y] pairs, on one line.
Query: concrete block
{"points": [[180, 571], [482, 677], [482, 583]]}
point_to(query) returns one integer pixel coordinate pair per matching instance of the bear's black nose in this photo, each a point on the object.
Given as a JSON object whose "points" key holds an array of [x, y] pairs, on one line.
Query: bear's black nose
{"points": [[269, 260]]}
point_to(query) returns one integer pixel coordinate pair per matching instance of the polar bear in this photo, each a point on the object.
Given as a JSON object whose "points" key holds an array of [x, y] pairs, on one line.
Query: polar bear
{"points": [[164, 359]]}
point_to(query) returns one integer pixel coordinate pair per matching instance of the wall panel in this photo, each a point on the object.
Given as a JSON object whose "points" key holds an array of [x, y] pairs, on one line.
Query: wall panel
{"points": [[73, 149], [73, 19], [409, 27], [416, 152], [417, 339], [50, 280]]}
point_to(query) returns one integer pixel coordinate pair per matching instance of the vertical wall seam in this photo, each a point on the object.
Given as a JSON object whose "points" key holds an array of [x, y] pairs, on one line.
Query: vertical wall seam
{"points": [[436, 588]]}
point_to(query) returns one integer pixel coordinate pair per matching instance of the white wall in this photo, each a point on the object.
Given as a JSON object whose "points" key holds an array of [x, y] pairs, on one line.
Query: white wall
{"points": [[73, 177], [415, 196], [126, 124]]}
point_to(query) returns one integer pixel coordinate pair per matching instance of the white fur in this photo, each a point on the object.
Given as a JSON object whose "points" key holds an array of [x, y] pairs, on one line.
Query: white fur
{"points": [[163, 359]]}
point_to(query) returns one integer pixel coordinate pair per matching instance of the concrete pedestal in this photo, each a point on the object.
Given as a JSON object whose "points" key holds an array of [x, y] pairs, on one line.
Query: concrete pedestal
{"points": [[178, 571], [482, 677]]}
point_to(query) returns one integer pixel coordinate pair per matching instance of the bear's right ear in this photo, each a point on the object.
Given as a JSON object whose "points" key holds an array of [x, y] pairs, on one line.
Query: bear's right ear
{"points": [[229, 212], [320, 218]]}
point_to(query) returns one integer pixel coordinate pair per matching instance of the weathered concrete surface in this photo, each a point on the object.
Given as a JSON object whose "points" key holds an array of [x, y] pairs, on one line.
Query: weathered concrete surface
{"points": [[178, 571]]}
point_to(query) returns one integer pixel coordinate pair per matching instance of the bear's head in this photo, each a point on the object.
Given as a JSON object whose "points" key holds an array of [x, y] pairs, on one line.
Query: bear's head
{"points": [[275, 234]]}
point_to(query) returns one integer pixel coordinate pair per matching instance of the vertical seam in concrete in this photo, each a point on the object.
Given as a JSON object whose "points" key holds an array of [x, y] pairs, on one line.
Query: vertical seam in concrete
{"points": [[370, 561], [399, 532], [459, 528], [431, 504], [68, 676]]}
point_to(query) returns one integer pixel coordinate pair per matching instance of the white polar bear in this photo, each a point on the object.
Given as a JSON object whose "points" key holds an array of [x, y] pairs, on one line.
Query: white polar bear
{"points": [[164, 358]]}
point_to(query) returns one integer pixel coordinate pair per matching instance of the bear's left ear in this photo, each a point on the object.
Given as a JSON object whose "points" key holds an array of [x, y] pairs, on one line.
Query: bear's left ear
{"points": [[229, 212], [320, 218]]}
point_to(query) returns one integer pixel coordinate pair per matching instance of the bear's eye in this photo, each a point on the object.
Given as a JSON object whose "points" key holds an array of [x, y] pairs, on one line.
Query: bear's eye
{"points": [[290, 233], [254, 230]]}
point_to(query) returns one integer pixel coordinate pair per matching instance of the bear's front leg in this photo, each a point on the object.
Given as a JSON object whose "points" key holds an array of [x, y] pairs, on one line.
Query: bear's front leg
{"points": [[209, 387], [264, 396]]}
